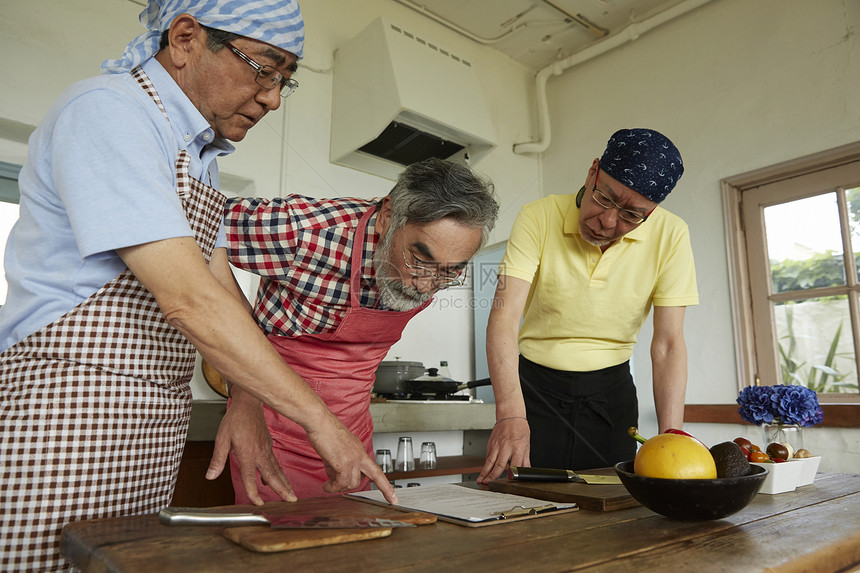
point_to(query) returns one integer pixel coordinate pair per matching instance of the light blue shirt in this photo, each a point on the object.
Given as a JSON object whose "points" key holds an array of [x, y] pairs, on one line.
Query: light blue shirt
{"points": [[100, 176]]}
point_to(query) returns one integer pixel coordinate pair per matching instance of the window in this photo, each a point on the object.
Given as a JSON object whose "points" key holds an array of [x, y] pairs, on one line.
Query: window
{"points": [[794, 247], [9, 198]]}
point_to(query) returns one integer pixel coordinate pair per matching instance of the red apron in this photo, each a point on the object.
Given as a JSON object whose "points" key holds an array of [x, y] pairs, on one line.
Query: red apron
{"points": [[94, 407], [340, 367]]}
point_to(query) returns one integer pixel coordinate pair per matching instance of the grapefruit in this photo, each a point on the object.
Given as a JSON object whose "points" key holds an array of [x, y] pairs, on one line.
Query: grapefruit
{"points": [[674, 456]]}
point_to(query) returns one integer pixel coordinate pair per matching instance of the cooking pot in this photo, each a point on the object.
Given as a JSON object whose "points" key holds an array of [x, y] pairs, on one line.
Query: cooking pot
{"points": [[391, 376]]}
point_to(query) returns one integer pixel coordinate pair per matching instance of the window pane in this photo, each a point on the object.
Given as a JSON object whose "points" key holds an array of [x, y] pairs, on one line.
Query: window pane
{"points": [[804, 244], [853, 198], [8, 216], [815, 345]]}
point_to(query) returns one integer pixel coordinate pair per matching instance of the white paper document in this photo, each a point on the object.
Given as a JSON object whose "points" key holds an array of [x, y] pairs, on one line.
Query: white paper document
{"points": [[468, 504]]}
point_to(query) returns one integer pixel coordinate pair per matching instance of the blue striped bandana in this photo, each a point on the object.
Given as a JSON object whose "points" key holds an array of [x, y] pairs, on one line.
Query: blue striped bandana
{"points": [[276, 22]]}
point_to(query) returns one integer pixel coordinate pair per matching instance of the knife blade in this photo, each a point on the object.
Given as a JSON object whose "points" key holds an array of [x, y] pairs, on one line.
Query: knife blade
{"points": [[190, 516], [543, 474]]}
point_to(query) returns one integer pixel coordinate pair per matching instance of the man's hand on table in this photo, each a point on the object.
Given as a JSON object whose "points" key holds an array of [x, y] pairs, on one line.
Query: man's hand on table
{"points": [[345, 460], [509, 444]]}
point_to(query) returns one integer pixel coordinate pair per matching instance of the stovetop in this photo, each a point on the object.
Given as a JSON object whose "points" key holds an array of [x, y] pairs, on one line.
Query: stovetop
{"points": [[441, 398]]}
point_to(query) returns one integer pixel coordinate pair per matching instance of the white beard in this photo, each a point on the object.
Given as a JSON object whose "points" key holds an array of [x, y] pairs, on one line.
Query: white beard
{"points": [[598, 243], [394, 293]]}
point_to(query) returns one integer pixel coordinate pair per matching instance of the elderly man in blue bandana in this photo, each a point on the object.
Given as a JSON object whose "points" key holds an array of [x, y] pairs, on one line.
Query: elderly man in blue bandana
{"points": [[117, 271], [579, 277]]}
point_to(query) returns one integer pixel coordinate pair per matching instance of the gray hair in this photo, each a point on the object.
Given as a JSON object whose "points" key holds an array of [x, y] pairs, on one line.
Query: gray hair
{"points": [[434, 189]]}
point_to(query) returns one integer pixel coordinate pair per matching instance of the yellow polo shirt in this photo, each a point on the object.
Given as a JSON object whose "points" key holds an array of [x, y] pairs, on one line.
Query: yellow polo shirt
{"points": [[586, 308]]}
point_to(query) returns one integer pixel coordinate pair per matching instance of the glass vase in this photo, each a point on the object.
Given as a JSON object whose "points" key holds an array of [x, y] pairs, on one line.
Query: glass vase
{"points": [[777, 432]]}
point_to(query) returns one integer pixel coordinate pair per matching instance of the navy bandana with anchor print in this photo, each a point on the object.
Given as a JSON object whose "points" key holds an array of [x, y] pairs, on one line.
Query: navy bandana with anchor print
{"points": [[644, 160]]}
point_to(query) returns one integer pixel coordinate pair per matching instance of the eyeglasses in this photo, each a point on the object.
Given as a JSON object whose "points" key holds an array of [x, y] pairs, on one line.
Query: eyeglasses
{"points": [[606, 202], [442, 280], [267, 76]]}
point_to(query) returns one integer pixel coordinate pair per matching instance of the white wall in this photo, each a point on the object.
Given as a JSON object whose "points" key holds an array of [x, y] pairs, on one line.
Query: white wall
{"points": [[737, 85]]}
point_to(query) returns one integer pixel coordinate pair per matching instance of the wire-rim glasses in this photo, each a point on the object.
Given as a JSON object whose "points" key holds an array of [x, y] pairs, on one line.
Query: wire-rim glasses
{"points": [[267, 76], [442, 280], [606, 202]]}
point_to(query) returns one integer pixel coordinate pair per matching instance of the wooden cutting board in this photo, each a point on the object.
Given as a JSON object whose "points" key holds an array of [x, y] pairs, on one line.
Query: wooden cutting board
{"points": [[263, 539], [588, 497], [267, 540]]}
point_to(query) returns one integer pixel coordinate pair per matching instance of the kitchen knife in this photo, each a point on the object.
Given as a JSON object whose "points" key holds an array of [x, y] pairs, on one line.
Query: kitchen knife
{"points": [[543, 474], [195, 516]]}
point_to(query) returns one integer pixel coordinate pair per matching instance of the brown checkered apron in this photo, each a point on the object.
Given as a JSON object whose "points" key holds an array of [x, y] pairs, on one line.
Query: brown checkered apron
{"points": [[94, 407]]}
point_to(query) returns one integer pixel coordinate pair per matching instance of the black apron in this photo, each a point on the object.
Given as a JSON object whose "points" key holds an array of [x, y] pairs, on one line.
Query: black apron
{"points": [[579, 420]]}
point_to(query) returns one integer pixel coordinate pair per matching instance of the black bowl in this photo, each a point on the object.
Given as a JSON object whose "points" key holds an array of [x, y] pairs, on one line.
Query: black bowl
{"points": [[692, 499]]}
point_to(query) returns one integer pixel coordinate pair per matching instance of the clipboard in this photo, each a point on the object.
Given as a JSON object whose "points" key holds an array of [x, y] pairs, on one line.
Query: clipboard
{"points": [[468, 506]]}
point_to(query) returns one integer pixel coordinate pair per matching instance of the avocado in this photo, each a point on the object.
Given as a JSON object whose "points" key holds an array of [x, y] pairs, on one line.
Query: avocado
{"points": [[730, 460]]}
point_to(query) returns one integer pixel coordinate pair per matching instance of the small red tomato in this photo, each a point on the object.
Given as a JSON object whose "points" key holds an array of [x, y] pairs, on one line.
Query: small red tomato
{"points": [[755, 448], [777, 451], [759, 456], [746, 452], [743, 442], [779, 460]]}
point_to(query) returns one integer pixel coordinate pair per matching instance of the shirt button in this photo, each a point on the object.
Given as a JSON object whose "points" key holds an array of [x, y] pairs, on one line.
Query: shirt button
{"points": [[594, 260], [206, 136], [187, 137]]}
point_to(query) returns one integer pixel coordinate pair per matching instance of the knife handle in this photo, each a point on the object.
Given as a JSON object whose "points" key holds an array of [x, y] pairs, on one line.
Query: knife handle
{"points": [[542, 474], [195, 516]]}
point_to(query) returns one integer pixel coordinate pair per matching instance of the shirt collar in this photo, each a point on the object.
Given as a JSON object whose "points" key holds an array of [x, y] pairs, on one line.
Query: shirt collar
{"points": [[191, 128]]}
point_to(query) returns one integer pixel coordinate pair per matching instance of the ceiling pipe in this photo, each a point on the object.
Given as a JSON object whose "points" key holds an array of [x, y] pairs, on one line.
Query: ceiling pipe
{"points": [[421, 9], [628, 34]]}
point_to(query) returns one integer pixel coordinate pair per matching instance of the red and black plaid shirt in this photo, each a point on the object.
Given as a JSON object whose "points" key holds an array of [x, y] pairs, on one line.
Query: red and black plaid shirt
{"points": [[301, 247]]}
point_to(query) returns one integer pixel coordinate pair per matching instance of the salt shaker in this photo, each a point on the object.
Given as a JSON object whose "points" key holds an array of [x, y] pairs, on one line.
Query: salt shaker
{"points": [[405, 461], [427, 461]]}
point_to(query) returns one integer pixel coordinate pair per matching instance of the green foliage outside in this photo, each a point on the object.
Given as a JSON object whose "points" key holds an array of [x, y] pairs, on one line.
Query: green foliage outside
{"points": [[824, 377], [821, 270]]}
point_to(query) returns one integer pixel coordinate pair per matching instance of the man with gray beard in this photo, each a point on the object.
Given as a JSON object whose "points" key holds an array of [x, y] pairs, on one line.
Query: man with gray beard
{"points": [[340, 279]]}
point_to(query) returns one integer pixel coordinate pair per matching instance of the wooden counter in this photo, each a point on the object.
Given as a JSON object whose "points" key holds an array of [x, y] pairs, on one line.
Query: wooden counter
{"points": [[206, 415], [436, 417], [814, 529]]}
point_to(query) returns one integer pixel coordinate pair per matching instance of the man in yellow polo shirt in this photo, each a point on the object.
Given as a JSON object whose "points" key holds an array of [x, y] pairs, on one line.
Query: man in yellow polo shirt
{"points": [[578, 279]]}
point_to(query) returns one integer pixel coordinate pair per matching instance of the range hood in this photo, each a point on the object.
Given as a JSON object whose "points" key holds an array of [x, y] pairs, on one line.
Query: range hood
{"points": [[399, 97]]}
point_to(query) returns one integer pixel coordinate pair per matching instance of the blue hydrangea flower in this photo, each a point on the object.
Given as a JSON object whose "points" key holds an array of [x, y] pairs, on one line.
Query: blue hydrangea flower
{"points": [[755, 404], [783, 404], [797, 405]]}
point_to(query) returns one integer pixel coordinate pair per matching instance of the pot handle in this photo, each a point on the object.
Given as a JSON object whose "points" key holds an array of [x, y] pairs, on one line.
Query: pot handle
{"points": [[481, 382]]}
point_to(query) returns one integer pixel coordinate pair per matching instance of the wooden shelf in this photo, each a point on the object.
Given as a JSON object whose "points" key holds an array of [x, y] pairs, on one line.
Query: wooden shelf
{"points": [[835, 415], [445, 465]]}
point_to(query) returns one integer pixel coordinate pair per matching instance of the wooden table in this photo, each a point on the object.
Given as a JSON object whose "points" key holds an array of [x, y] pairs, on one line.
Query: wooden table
{"points": [[814, 529]]}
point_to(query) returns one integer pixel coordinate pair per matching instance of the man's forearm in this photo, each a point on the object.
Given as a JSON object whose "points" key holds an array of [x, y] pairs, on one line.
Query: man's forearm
{"points": [[219, 326], [670, 386], [503, 364]]}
